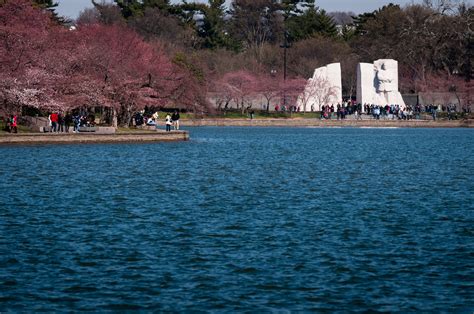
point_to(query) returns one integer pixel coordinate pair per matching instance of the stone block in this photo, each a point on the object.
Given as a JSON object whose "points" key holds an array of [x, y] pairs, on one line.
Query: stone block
{"points": [[377, 83]]}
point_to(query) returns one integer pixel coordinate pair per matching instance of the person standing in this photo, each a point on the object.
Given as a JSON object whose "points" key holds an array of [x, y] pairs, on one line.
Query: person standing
{"points": [[50, 123], [433, 112], [54, 122], [175, 118], [13, 124], [77, 122], [67, 122], [156, 117], [61, 123], [168, 122]]}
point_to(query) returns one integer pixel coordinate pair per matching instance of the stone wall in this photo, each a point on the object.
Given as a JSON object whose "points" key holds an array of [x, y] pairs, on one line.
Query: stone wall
{"points": [[57, 138]]}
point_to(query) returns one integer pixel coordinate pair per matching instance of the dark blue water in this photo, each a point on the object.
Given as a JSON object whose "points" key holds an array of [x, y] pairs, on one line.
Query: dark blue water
{"points": [[237, 219]]}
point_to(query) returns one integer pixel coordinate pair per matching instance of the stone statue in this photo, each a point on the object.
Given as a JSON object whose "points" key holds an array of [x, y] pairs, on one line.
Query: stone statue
{"points": [[377, 83], [324, 88], [385, 79]]}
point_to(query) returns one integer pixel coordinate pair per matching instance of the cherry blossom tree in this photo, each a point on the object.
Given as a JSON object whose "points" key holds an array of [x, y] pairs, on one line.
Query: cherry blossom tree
{"points": [[269, 87], [291, 89], [23, 35], [241, 85], [50, 67]]}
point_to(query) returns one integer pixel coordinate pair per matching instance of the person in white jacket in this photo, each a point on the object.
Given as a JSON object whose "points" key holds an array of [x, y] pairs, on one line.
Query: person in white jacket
{"points": [[168, 122]]}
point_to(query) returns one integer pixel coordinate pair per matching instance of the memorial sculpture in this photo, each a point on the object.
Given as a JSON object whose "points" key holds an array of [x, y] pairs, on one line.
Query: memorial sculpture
{"points": [[377, 83], [324, 88]]}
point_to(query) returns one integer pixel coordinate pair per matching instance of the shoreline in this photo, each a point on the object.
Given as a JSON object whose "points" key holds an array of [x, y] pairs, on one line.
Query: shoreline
{"points": [[173, 136], [298, 122], [79, 138]]}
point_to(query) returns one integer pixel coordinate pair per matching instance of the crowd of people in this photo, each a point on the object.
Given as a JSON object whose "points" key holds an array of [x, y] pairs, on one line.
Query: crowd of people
{"points": [[392, 112]]}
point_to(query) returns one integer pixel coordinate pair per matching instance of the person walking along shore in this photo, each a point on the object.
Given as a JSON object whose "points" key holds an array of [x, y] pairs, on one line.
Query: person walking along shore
{"points": [[175, 118]]}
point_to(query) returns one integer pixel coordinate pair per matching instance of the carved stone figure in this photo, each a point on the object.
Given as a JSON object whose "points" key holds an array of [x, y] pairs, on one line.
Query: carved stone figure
{"points": [[377, 83], [324, 88]]}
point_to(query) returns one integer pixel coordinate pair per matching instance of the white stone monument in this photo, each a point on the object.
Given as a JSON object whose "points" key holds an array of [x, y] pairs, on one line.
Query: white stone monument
{"points": [[377, 83], [324, 88]]}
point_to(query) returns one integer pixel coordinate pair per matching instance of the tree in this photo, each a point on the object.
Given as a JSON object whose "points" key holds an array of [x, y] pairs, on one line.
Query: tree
{"points": [[211, 25], [23, 34], [312, 21], [269, 87], [291, 89], [240, 85], [317, 92], [134, 73], [109, 14], [254, 23], [191, 88], [49, 67], [154, 24], [307, 55], [51, 6], [88, 16]]}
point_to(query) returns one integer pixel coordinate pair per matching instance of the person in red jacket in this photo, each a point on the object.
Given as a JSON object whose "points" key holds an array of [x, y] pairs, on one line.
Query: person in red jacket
{"points": [[13, 124], [54, 122]]}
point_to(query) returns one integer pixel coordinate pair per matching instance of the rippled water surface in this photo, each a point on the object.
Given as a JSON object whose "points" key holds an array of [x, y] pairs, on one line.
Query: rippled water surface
{"points": [[259, 219]]}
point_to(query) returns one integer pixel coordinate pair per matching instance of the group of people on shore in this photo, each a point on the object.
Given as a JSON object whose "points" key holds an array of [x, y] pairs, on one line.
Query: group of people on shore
{"points": [[60, 122], [392, 112], [152, 120]]}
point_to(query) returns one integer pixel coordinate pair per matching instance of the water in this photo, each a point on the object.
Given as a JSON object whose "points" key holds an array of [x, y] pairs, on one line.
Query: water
{"points": [[237, 219]]}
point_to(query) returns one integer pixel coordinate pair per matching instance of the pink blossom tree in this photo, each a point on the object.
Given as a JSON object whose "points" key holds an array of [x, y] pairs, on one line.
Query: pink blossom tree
{"points": [[269, 87], [241, 85], [48, 66], [23, 36], [291, 89]]}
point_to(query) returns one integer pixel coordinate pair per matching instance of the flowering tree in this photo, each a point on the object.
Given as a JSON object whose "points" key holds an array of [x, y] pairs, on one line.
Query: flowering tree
{"points": [[23, 36], [269, 88], [223, 96], [291, 89], [317, 91], [50, 67], [240, 85], [131, 72]]}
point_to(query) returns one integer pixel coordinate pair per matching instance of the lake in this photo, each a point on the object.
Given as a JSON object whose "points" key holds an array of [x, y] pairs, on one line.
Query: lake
{"points": [[242, 219]]}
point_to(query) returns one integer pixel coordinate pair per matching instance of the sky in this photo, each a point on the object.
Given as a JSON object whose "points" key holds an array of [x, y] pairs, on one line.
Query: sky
{"points": [[71, 8]]}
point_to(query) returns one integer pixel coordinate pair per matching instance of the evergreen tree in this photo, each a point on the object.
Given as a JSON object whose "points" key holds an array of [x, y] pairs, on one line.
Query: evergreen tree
{"points": [[47, 4], [312, 21], [130, 8], [51, 6], [211, 27]]}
